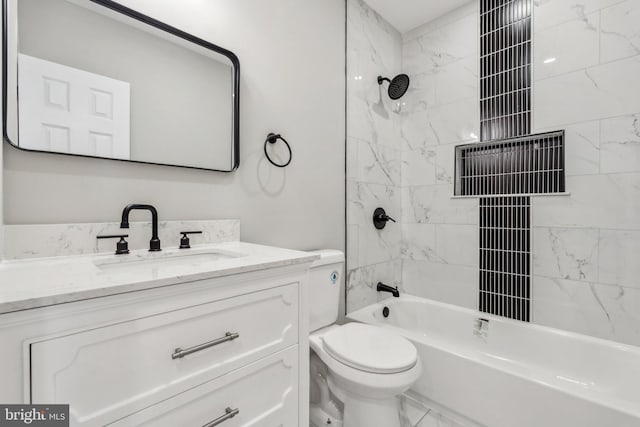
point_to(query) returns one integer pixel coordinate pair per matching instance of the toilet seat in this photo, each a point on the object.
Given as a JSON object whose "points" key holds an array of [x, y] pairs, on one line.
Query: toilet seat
{"points": [[370, 349]]}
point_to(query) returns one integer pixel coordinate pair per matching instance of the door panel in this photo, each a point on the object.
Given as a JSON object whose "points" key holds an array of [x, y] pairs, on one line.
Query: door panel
{"points": [[67, 110]]}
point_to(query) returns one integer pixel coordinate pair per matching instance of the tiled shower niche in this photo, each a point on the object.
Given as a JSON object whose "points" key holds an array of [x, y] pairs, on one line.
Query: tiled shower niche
{"points": [[526, 165]]}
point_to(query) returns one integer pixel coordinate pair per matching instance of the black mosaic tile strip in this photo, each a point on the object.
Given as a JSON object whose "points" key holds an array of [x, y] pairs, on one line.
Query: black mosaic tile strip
{"points": [[513, 164], [505, 257], [505, 68]]}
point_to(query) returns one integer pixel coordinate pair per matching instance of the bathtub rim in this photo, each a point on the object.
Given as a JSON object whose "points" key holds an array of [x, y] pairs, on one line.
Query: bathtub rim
{"points": [[557, 331], [367, 312]]}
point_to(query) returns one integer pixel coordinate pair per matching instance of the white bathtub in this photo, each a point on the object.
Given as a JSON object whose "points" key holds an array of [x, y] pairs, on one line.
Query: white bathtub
{"points": [[519, 374]]}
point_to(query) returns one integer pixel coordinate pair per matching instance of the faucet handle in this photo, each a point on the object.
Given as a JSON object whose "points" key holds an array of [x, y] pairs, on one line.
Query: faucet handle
{"points": [[122, 247], [380, 218], [184, 241]]}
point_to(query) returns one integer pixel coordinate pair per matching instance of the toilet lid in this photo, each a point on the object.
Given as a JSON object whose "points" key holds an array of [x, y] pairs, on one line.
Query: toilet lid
{"points": [[370, 348]]}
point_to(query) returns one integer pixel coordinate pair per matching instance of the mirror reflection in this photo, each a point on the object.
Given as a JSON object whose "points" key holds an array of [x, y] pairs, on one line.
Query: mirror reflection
{"points": [[88, 80]]}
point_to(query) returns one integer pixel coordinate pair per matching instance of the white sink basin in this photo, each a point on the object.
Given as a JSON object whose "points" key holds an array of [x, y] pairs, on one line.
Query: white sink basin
{"points": [[164, 260]]}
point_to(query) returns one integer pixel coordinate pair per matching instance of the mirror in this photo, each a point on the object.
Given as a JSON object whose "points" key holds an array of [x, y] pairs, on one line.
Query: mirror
{"points": [[95, 78]]}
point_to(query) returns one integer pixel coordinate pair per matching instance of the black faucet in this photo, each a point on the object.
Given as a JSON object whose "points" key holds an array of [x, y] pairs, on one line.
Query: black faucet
{"points": [[386, 288], [154, 243]]}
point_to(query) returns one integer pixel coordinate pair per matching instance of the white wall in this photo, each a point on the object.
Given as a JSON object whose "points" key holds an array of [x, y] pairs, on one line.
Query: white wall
{"points": [[292, 70]]}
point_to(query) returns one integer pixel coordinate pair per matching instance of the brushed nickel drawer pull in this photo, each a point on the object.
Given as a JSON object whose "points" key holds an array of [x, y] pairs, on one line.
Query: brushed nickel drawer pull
{"points": [[229, 413], [179, 353]]}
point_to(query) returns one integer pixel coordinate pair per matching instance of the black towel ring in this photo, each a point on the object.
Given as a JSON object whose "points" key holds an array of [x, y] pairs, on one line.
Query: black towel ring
{"points": [[271, 139]]}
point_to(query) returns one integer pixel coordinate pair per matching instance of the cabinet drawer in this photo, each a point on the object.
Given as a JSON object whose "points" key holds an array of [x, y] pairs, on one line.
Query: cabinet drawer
{"points": [[263, 394], [108, 373]]}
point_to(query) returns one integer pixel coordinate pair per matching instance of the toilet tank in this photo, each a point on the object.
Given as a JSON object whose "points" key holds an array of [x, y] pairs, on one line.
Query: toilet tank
{"points": [[325, 278]]}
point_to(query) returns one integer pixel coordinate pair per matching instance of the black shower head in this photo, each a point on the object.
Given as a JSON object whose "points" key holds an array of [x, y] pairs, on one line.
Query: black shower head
{"points": [[397, 86]]}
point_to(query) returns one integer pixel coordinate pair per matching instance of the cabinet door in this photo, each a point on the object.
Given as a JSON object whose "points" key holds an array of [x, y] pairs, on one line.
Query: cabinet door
{"points": [[263, 394], [111, 372]]}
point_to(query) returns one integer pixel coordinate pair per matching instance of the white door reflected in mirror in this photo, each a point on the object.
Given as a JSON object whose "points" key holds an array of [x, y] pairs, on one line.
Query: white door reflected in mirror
{"points": [[67, 110]]}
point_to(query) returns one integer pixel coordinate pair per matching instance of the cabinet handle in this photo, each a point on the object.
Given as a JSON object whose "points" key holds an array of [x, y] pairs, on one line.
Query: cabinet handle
{"points": [[179, 353], [229, 413]]}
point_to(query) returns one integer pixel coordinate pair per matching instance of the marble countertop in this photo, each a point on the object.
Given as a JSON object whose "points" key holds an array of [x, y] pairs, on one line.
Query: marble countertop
{"points": [[27, 284]]}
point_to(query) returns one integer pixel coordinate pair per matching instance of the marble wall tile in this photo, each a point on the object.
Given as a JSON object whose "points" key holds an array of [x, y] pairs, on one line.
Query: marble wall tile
{"points": [[425, 80], [441, 46], [598, 92], [582, 147], [620, 144], [378, 164], [369, 32], [434, 204], [421, 94], [442, 60], [419, 167], [619, 34], [51, 240], [416, 131], [374, 157], [363, 198], [419, 242], [457, 81], [604, 311], [586, 244], [595, 201], [582, 142], [453, 284], [455, 122], [471, 8], [558, 43], [458, 244], [445, 164], [441, 108], [619, 253], [377, 246], [549, 13], [566, 253], [373, 48], [373, 119], [361, 283]]}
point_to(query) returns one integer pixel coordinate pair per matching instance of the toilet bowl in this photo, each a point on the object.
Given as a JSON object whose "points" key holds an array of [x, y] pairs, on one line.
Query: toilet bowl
{"points": [[367, 368], [364, 367]]}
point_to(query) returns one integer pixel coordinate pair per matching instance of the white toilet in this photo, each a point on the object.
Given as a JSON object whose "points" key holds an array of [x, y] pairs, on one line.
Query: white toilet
{"points": [[357, 370]]}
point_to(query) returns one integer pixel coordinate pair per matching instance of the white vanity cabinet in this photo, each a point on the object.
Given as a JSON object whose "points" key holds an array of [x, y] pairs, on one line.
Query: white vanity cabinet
{"points": [[229, 351], [264, 393]]}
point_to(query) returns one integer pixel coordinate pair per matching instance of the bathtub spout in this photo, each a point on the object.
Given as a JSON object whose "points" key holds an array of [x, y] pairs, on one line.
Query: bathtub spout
{"points": [[386, 288]]}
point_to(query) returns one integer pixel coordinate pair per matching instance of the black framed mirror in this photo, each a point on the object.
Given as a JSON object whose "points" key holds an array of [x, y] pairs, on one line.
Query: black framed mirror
{"points": [[94, 78]]}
